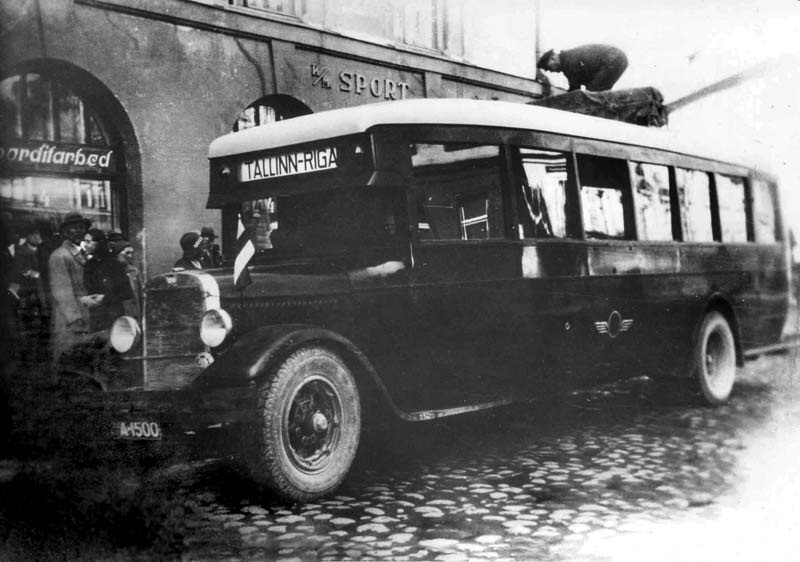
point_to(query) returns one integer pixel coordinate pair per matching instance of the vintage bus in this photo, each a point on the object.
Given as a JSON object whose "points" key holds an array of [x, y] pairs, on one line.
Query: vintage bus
{"points": [[435, 257]]}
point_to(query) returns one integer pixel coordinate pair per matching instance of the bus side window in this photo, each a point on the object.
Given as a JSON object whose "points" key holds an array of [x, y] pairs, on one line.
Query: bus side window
{"points": [[543, 181], [458, 191], [732, 208], [605, 197], [694, 195], [764, 212], [651, 201]]}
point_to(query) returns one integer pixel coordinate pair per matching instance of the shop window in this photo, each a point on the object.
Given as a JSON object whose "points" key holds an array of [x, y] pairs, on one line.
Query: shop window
{"points": [[694, 195], [764, 211], [458, 191], [36, 108], [732, 208], [543, 187], [651, 201], [605, 197], [55, 156]]}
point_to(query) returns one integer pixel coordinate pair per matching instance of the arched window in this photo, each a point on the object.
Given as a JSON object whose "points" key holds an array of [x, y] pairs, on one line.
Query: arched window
{"points": [[270, 109], [56, 155]]}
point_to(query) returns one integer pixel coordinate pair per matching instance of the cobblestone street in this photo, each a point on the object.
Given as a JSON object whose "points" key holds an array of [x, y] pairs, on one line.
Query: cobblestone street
{"points": [[615, 473], [612, 474]]}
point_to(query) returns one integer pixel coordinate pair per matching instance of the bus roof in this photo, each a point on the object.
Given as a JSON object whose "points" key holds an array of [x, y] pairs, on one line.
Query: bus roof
{"points": [[352, 120]]}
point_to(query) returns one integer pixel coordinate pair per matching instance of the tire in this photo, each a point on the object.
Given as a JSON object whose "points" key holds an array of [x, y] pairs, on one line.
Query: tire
{"points": [[714, 360], [309, 426]]}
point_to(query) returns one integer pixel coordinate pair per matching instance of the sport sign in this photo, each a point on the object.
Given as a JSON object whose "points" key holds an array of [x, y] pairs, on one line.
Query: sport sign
{"points": [[279, 165]]}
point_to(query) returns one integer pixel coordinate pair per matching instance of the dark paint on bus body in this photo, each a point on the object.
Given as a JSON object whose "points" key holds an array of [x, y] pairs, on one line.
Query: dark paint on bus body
{"points": [[463, 325]]}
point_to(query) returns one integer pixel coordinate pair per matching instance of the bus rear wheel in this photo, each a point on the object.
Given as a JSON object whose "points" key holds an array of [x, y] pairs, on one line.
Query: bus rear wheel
{"points": [[309, 424], [714, 360]]}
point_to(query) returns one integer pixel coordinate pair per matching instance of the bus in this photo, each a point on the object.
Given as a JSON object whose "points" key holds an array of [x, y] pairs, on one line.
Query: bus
{"points": [[434, 257]]}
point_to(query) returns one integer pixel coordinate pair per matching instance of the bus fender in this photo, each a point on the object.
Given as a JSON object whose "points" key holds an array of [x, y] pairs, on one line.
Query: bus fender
{"points": [[249, 359], [719, 303]]}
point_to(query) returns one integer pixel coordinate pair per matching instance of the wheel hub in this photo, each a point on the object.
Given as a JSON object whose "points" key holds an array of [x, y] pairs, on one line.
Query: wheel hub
{"points": [[319, 421], [313, 427]]}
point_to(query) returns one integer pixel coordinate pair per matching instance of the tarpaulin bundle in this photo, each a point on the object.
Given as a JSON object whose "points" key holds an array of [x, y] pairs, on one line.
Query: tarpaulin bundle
{"points": [[640, 106]]}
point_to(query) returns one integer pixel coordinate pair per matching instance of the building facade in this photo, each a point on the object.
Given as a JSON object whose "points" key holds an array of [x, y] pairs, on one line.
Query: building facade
{"points": [[108, 106]]}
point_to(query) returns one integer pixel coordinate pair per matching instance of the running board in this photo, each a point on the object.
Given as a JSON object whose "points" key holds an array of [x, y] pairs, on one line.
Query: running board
{"points": [[780, 346], [425, 415]]}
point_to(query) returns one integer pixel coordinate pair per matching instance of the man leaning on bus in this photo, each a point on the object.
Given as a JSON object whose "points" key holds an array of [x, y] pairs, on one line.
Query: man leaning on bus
{"points": [[596, 67]]}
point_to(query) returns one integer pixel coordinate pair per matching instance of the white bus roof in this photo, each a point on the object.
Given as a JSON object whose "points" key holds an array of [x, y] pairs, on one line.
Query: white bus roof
{"points": [[352, 120]]}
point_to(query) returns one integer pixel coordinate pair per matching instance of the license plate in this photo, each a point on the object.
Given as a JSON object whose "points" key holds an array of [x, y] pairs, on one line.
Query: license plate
{"points": [[139, 430]]}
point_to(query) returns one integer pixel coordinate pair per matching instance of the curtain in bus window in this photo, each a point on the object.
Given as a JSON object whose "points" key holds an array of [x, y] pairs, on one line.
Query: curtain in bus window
{"points": [[763, 212], [458, 191], [695, 200], [605, 185], [603, 212], [544, 193], [732, 210], [651, 200]]}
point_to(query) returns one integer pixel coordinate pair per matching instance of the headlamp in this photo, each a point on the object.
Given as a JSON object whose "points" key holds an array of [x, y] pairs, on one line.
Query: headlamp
{"points": [[125, 333], [215, 327]]}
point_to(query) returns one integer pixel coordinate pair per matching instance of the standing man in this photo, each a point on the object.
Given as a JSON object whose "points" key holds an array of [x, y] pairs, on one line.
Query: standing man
{"points": [[71, 303], [211, 257], [596, 67]]}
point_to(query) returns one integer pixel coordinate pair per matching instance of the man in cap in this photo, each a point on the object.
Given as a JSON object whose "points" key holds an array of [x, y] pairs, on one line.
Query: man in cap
{"points": [[595, 67], [211, 256], [192, 246], [71, 303]]}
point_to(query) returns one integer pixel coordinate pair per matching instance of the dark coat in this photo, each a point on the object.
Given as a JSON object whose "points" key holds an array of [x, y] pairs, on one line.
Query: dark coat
{"points": [[598, 67], [186, 263], [70, 316]]}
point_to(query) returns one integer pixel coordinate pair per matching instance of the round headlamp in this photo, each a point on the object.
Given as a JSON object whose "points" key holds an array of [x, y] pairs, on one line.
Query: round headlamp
{"points": [[215, 327], [125, 333]]}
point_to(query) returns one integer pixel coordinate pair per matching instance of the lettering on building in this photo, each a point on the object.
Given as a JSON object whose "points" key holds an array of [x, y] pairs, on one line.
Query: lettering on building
{"points": [[360, 84], [54, 156]]}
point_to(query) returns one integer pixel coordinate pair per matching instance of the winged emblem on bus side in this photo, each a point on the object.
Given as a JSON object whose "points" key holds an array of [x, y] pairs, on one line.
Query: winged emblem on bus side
{"points": [[614, 325]]}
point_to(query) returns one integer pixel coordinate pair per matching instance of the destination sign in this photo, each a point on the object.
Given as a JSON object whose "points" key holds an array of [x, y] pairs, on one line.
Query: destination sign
{"points": [[279, 165]]}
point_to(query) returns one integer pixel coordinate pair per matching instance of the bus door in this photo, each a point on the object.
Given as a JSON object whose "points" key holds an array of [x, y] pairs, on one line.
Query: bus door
{"points": [[462, 285]]}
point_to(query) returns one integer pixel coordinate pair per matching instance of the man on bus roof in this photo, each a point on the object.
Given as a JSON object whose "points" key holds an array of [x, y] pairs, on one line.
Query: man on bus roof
{"points": [[596, 67]]}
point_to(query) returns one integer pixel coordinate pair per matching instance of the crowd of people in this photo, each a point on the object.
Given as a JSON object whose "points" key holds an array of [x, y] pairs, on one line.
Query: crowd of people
{"points": [[71, 294], [69, 290]]}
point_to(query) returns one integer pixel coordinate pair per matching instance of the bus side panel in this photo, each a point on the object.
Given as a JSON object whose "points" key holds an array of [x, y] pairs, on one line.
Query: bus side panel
{"points": [[637, 322], [750, 278]]}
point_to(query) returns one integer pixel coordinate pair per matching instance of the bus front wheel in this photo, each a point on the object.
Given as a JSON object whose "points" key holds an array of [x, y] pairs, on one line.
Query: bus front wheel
{"points": [[309, 424], [714, 359]]}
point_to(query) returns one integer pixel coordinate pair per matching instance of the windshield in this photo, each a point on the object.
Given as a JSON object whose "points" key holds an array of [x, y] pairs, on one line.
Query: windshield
{"points": [[328, 222]]}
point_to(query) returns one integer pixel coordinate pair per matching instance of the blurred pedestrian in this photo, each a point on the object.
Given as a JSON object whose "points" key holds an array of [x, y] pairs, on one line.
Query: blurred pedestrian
{"points": [[191, 244], [126, 282], [596, 67], [96, 278], [32, 314], [71, 301], [211, 257]]}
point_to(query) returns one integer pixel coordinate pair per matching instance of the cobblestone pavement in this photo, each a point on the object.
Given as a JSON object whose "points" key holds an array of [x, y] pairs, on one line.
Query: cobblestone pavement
{"points": [[612, 474]]}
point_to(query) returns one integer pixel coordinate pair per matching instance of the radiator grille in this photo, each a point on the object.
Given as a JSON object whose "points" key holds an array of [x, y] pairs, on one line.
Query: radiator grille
{"points": [[172, 338]]}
